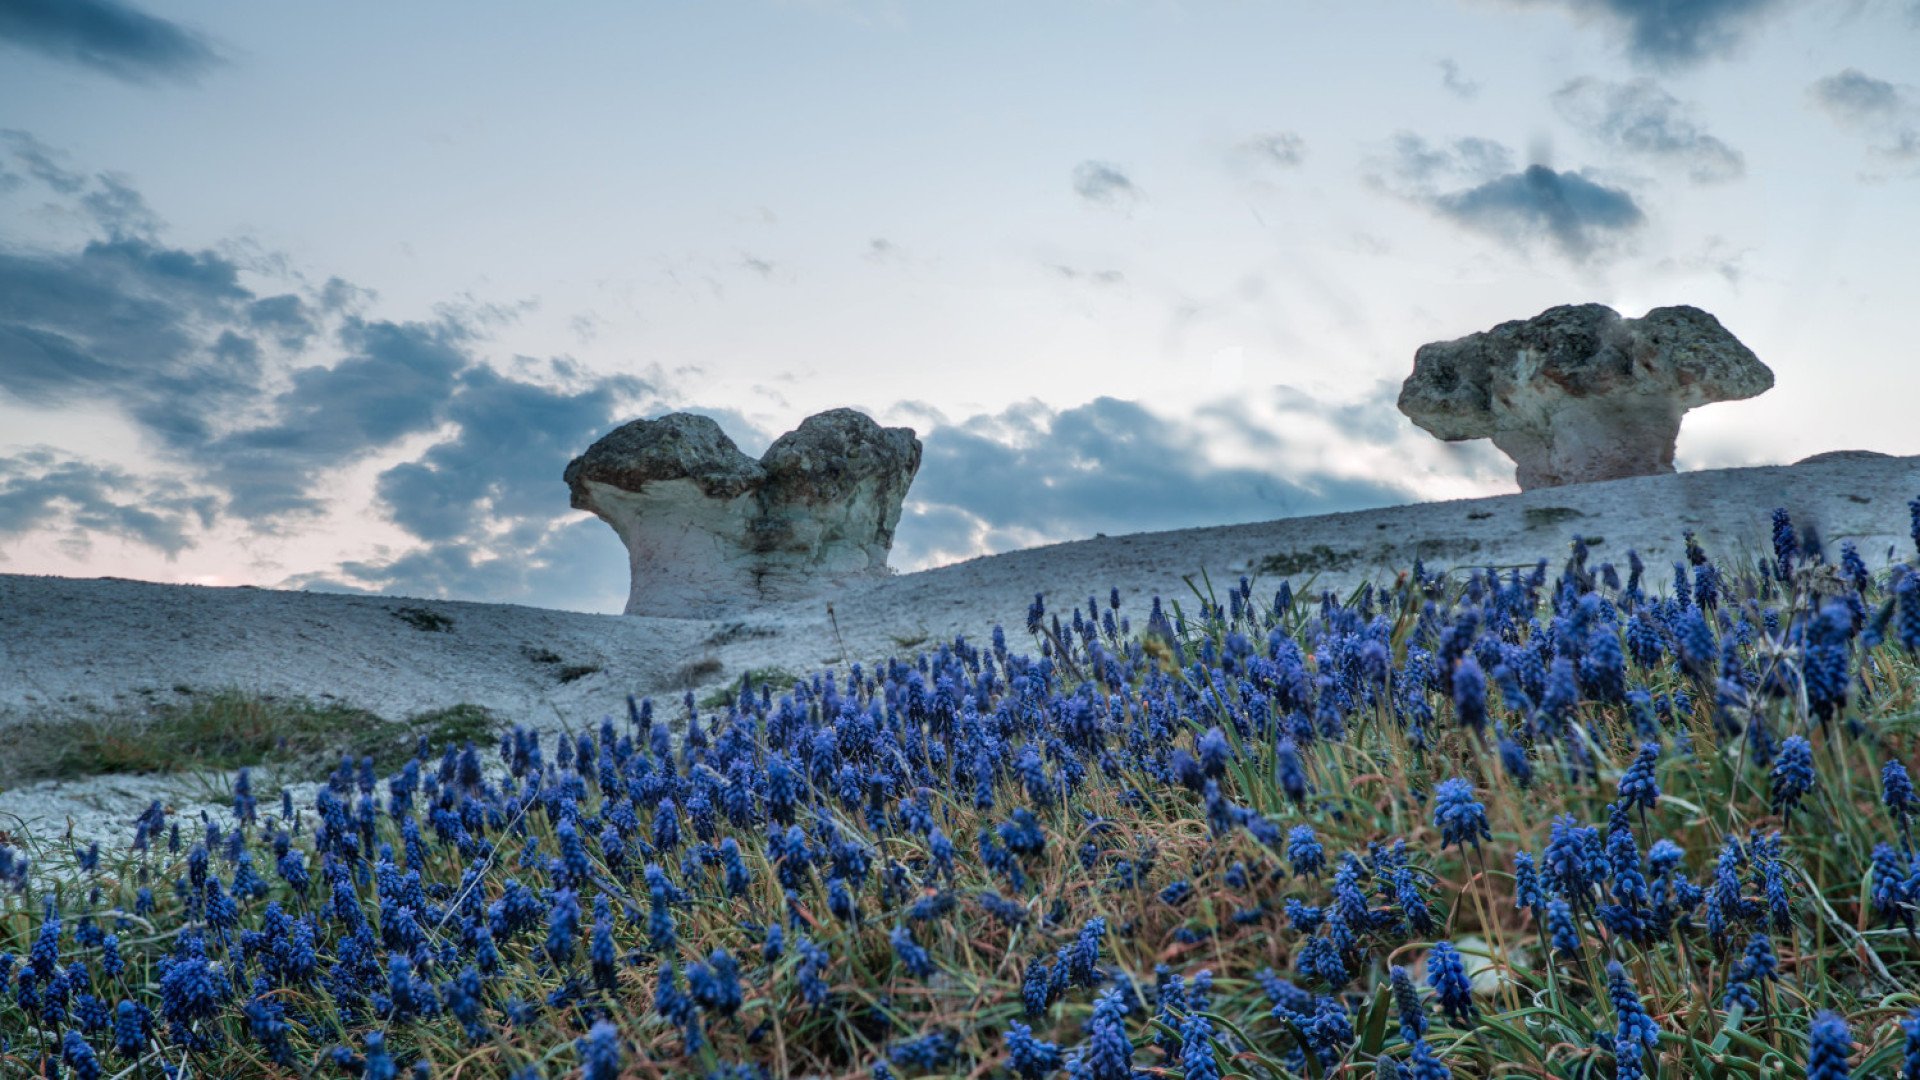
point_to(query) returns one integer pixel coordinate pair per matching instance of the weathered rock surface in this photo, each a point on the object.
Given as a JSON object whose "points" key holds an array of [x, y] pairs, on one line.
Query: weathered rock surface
{"points": [[1578, 393], [711, 532]]}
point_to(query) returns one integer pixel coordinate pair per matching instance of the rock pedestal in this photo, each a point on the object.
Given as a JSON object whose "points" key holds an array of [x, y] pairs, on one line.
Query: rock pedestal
{"points": [[1578, 393], [710, 531]]}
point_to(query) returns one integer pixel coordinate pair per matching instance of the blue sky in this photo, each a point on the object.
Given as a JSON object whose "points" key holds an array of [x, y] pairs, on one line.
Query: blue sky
{"points": [[327, 296]]}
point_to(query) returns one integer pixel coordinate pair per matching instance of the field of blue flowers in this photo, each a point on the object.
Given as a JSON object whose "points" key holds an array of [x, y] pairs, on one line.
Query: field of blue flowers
{"points": [[1501, 822]]}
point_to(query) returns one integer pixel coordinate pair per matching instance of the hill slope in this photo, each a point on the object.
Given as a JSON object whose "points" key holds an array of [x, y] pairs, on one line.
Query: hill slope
{"points": [[89, 646]]}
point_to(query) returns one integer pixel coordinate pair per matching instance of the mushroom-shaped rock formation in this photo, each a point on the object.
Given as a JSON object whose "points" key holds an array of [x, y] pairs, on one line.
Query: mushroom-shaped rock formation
{"points": [[1578, 393], [710, 530]]}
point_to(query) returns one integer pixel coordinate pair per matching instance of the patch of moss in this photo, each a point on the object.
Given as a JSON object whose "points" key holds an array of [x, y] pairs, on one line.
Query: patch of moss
{"points": [[230, 729], [421, 619], [779, 678], [695, 673], [456, 724], [1433, 547], [739, 631], [1315, 560]]}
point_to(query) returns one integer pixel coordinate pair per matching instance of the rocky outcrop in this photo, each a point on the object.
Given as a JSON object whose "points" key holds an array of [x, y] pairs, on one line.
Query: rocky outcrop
{"points": [[710, 531], [1578, 393]]}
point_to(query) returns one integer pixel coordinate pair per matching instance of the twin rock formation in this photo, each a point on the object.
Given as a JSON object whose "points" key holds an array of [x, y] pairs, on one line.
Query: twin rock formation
{"points": [[1572, 395], [711, 532]]}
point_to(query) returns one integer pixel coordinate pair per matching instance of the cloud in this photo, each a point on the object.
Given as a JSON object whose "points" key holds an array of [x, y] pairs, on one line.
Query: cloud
{"points": [[512, 440], [1673, 34], [107, 36], [576, 565], [119, 209], [1411, 165], [1575, 214], [1275, 149], [1090, 277], [1098, 181], [1571, 211], [1456, 83], [398, 379], [41, 161], [1887, 114], [1032, 474], [155, 330], [256, 401], [215, 375], [45, 490], [1640, 118]]}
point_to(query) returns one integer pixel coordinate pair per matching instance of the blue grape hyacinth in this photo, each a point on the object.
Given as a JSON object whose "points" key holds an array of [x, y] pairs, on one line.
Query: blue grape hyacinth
{"points": [[1460, 817]]}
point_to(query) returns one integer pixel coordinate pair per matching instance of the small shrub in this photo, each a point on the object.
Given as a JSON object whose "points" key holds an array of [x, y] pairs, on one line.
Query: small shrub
{"points": [[422, 619], [695, 674], [779, 679]]}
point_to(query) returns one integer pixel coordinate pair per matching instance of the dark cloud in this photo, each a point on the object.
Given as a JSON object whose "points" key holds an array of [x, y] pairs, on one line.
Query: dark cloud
{"points": [[1671, 34], [42, 489], [287, 317], [1854, 95], [1455, 82], [108, 36], [1639, 117], [119, 209], [512, 441], [1886, 113], [1411, 165], [488, 500], [138, 325], [1032, 474], [1098, 181], [398, 379], [41, 161], [1575, 214]]}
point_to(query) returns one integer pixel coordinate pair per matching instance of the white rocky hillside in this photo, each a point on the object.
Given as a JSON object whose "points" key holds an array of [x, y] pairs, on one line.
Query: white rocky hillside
{"points": [[75, 646]]}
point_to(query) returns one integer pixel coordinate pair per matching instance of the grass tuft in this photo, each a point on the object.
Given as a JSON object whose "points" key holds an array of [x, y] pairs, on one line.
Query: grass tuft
{"points": [[229, 729]]}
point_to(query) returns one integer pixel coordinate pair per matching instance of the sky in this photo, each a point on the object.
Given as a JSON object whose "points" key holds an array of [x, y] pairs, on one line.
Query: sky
{"points": [[326, 296]]}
